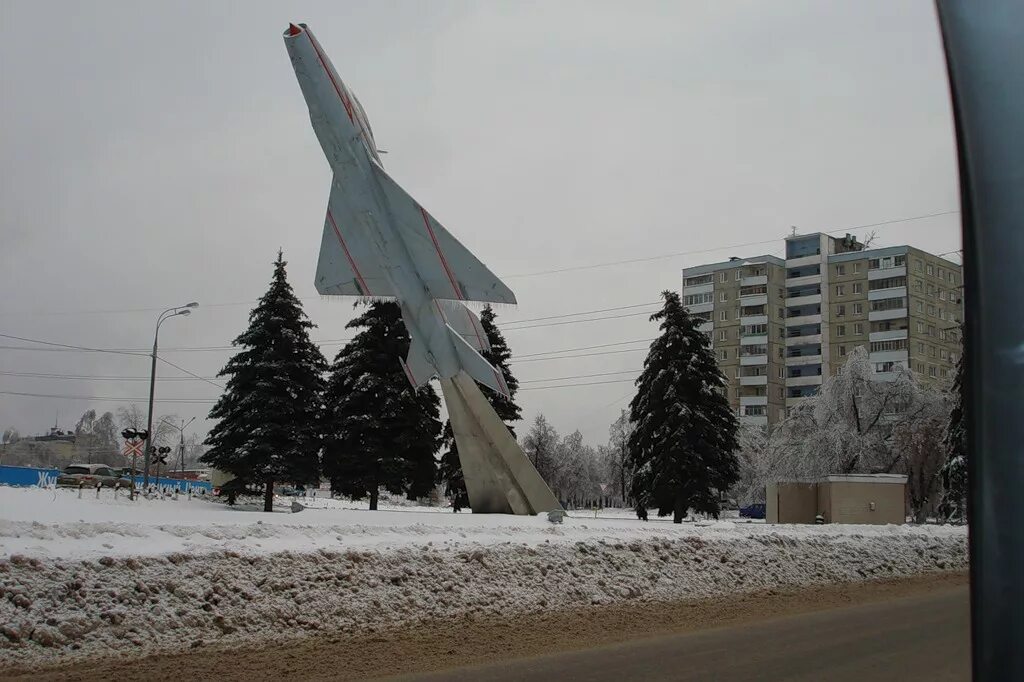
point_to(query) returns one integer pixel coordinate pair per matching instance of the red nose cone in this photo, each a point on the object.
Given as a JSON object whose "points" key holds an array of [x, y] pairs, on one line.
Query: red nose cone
{"points": [[294, 30]]}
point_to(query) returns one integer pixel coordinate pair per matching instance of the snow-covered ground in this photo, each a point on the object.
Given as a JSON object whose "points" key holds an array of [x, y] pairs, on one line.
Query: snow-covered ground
{"points": [[81, 577]]}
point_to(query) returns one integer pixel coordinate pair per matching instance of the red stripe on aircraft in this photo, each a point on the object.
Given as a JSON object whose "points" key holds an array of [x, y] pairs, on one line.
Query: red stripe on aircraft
{"points": [[323, 62], [351, 261], [408, 374], [440, 254]]}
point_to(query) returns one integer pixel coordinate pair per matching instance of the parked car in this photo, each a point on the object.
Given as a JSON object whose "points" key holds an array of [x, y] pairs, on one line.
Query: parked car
{"points": [[90, 475], [752, 511]]}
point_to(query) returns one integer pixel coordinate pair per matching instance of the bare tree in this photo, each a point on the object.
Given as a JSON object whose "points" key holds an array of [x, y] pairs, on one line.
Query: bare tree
{"points": [[753, 459], [918, 444]]}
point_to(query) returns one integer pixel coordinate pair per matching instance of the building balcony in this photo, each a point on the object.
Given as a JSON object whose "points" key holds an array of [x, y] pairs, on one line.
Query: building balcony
{"points": [[881, 315], [810, 299], [753, 280], [754, 340], [699, 289], [804, 260], [761, 380], [706, 327], [882, 273], [753, 360], [892, 335], [793, 402], [700, 308], [900, 356], [891, 292], [801, 320], [753, 400], [754, 319], [803, 280], [811, 380], [754, 420], [754, 299], [812, 339], [801, 360]]}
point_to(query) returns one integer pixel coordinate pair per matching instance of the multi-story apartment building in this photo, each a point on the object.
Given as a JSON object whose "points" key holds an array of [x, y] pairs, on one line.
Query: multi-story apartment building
{"points": [[778, 326]]}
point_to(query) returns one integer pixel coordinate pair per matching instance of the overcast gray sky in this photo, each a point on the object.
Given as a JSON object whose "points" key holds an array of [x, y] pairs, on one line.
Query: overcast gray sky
{"points": [[154, 154]]}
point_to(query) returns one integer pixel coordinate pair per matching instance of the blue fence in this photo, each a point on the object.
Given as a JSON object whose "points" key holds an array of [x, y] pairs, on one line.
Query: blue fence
{"points": [[32, 476]]}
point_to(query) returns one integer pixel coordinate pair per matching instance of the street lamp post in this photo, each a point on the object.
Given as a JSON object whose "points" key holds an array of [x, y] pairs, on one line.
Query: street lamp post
{"points": [[177, 310]]}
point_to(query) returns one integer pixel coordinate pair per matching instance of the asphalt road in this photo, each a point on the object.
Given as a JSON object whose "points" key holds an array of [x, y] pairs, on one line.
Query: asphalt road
{"points": [[914, 638]]}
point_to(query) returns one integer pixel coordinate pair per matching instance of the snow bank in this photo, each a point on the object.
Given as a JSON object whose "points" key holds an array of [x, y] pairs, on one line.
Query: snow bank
{"points": [[87, 577]]}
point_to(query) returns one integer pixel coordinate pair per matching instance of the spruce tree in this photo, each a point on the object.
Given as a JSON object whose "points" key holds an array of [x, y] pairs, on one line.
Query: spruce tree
{"points": [[450, 471], [268, 418], [953, 506], [378, 431], [683, 448]]}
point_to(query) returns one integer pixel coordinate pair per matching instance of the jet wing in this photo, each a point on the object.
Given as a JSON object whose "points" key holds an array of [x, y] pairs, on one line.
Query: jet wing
{"points": [[348, 265], [449, 270]]}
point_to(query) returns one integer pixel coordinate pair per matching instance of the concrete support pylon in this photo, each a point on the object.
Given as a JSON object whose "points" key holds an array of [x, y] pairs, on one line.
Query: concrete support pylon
{"points": [[500, 479]]}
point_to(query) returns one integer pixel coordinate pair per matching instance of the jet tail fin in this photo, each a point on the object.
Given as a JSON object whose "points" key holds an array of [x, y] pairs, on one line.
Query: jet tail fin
{"points": [[476, 365], [417, 368]]}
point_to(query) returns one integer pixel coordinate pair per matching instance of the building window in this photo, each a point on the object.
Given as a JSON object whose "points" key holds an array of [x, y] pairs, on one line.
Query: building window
{"points": [[931, 330], [723, 335], [918, 286], [858, 308], [858, 328], [942, 335], [918, 265], [840, 290], [920, 307], [698, 280], [942, 313], [949, 276], [723, 297], [942, 294], [699, 299], [899, 260], [930, 269], [782, 372], [723, 277], [738, 275], [840, 269], [737, 373], [938, 273], [885, 366], [942, 373], [920, 327], [931, 310], [920, 348], [842, 351], [840, 310], [857, 287], [723, 315], [841, 330], [931, 370], [780, 352], [889, 304], [856, 268], [725, 354], [942, 353], [874, 264]]}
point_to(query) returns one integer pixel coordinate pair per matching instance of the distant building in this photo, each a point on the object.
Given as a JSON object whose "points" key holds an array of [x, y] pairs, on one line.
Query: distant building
{"points": [[779, 326]]}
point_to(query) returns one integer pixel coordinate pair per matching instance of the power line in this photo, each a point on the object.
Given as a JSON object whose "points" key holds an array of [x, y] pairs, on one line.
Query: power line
{"points": [[590, 383], [580, 376], [191, 374], [569, 350], [591, 266], [647, 259], [112, 399], [68, 346]]}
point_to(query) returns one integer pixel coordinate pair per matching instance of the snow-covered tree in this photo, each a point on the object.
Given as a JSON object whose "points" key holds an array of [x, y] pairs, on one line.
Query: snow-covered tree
{"points": [[618, 454], [578, 474], [450, 470], [850, 426], [11, 435], [378, 431], [753, 460], [918, 449], [954, 471], [682, 451], [268, 418], [540, 446]]}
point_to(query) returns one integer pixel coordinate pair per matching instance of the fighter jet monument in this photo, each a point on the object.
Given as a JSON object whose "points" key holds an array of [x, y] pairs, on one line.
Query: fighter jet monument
{"points": [[379, 243]]}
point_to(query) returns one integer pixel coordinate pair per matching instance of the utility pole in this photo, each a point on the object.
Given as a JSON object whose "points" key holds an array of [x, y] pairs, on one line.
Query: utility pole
{"points": [[181, 440]]}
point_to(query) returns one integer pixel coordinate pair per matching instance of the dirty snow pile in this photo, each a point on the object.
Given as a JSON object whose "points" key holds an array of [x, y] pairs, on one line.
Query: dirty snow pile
{"points": [[86, 577]]}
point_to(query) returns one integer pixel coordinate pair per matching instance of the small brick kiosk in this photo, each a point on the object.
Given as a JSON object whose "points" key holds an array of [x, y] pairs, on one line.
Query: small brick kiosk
{"points": [[848, 498]]}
